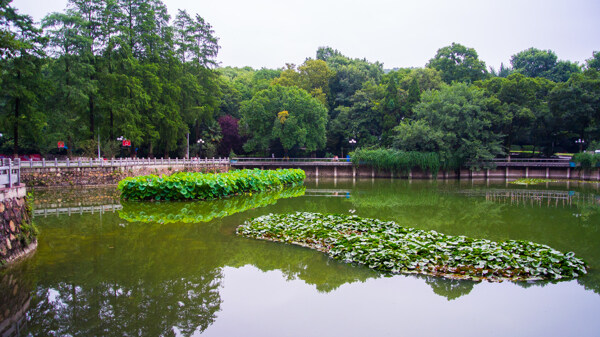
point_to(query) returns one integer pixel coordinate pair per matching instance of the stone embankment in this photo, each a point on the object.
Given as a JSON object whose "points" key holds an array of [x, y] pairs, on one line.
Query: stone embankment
{"points": [[91, 176], [17, 233]]}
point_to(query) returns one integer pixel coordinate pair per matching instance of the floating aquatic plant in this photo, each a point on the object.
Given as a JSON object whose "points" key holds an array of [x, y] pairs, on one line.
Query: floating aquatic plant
{"points": [[389, 247], [532, 181], [207, 186]]}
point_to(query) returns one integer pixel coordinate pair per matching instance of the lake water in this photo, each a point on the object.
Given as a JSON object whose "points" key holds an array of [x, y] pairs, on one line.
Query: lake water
{"points": [[178, 269]]}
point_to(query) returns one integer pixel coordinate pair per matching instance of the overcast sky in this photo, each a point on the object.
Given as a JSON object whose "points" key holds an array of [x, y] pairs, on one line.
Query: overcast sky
{"points": [[270, 33]]}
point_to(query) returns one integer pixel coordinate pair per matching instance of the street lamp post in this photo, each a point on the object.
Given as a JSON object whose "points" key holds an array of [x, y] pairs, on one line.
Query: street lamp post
{"points": [[580, 142], [200, 142], [352, 143]]}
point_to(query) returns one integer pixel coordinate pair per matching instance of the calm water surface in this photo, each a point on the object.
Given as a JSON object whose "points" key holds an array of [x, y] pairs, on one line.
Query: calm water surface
{"points": [[178, 269]]}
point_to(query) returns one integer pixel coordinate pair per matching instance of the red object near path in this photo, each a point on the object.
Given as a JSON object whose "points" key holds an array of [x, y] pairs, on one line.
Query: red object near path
{"points": [[61, 145], [126, 142]]}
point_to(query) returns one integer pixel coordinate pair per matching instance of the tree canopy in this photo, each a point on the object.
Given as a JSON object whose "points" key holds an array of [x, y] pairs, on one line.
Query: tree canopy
{"points": [[106, 70]]}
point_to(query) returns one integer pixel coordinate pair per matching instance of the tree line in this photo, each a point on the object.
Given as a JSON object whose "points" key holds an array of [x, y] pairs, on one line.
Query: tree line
{"points": [[125, 68]]}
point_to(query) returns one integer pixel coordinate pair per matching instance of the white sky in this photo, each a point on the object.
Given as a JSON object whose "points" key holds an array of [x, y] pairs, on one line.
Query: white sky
{"points": [[270, 33]]}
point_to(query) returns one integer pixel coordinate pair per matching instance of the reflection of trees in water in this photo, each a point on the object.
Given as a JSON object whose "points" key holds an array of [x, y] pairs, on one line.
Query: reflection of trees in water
{"points": [[75, 196], [202, 211], [119, 308], [591, 281], [115, 280], [295, 262], [15, 297], [450, 289]]}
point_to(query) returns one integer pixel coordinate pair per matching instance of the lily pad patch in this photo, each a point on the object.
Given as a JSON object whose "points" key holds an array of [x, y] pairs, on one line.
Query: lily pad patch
{"points": [[388, 247]]}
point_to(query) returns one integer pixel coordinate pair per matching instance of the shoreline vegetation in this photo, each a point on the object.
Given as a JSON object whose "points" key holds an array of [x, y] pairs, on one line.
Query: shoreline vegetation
{"points": [[390, 248], [207, 186]]}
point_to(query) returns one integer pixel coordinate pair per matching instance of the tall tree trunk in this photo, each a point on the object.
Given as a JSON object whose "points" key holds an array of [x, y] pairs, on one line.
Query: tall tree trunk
{"points": [[16, 126], [112, 125], [91, 102]]}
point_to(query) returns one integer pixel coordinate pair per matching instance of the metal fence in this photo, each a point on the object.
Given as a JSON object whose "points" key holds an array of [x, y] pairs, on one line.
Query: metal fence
{"points": [[10, 173]]}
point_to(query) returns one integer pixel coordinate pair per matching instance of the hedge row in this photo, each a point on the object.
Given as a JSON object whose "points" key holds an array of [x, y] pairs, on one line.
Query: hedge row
{"points": [[207, 186]]}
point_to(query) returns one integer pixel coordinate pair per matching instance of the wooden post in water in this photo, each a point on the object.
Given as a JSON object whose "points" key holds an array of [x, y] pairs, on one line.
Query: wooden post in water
{"points": [[526, 172], [568, 173], [317, 171], [547, 172], [354, 172]]}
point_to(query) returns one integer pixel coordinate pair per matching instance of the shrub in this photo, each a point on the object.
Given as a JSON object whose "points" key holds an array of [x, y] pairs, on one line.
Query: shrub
{"points": [[586, 160], [396, 160]]}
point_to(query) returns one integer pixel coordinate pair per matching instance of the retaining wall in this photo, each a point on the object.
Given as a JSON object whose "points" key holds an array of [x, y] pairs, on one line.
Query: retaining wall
{"points": [[73, 176], [16, 238], [349, 171]]}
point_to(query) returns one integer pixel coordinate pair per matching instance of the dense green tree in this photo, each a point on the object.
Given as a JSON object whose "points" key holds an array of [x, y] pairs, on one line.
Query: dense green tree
{"points": [[521, 107], [284, 116], [594, 61], [312, 76], [350, 74], [458, 64], [459, 122], [20, 65], [577, 103], [426, 78], [534, 62]]}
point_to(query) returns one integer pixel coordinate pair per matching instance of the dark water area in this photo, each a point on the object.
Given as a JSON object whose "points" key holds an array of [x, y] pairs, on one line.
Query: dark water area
{"points": [[178, 268]]}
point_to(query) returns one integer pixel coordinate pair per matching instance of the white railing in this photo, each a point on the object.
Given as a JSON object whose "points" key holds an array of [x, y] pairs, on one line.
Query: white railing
{"points": [[123, 162], [10, 173], [288, 160]]}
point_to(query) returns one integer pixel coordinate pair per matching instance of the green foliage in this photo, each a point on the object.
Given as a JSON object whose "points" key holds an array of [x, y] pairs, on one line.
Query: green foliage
{"points": [[458, 63], [533, 62], [586, 160], [594, 61], [459, 121], [391, 248], [196, 212], [576, 103], [29, 233], [209, 186], [397, 161], [522, 104], [304, 127]]}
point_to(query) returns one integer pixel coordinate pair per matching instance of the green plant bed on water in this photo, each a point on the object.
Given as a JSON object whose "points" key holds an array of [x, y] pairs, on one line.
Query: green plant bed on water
{"points": [[391, 248], [207, 186], [535, 181]]}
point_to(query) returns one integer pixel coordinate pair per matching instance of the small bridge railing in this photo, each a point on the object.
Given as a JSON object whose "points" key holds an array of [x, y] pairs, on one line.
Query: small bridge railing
{"points": [[122, 162], [10, 173], [532, 162], [288, 161]]}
